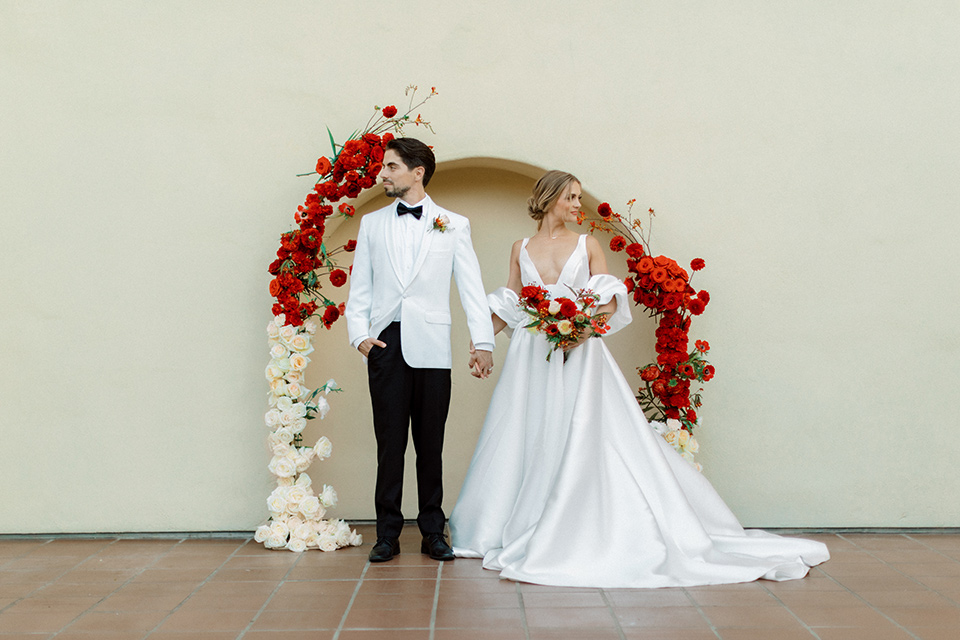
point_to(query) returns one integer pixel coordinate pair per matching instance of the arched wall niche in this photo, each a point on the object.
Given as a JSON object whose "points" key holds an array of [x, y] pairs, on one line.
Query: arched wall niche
{"points": [[492, 193]]}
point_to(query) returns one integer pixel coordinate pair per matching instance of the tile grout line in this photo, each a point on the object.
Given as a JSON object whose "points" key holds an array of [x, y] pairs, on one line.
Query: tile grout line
{"points": [[125, 583], [523, 611], [436, 600], [24, 555], [938, 551], [353, 597], [699, 609], [197, 588], [791, 612], [616, 620], [263, 607]]}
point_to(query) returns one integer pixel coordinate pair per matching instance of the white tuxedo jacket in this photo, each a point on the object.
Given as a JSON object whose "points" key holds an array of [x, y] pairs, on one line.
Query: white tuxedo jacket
{"points": [[378, 287]]}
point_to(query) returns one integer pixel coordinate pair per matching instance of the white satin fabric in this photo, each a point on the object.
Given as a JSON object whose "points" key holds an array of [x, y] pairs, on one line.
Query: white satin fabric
{"points": [[570, 486]]}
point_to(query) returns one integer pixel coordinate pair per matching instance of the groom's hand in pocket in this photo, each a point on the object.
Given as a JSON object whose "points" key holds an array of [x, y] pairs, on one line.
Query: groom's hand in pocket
{"points": [[365, 346]]}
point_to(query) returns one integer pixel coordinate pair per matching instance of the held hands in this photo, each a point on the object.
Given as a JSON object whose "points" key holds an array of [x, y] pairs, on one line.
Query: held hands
{"points": [[481, 362], [365, 346]]}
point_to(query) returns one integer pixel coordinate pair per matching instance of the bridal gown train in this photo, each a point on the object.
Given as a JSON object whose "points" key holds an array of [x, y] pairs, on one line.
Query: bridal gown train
{"points": [[570, 486]]}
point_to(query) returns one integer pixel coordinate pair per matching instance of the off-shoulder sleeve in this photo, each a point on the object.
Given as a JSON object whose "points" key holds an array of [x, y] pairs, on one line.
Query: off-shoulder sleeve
{"points": [[609, 287], [504, 302]]}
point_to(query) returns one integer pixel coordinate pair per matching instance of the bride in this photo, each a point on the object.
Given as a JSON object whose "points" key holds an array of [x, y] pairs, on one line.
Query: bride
{"points": [[569, 485]]}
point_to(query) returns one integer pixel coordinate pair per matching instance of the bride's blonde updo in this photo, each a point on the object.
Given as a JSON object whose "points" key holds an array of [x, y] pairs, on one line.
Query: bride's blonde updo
{"points": [[546, 192]]}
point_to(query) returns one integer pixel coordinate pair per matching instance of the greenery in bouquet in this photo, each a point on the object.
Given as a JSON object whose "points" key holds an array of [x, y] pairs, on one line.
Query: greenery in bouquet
{"points": [[563, 321]]}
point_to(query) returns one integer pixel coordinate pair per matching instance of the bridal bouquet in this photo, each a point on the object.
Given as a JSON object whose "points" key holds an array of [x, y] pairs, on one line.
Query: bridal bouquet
{"points": [[564, 321]]}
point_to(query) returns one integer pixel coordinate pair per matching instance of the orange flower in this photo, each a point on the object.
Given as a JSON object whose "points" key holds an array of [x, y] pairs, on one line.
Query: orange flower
{"points": [[658, 275]]}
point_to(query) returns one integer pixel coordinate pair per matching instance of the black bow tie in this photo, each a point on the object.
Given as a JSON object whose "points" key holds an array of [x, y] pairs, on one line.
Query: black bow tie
{"points": [[416, 212]]}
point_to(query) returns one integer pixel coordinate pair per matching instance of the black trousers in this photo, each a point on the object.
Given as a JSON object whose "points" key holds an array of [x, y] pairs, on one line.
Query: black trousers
{"points": [[407, 400]]}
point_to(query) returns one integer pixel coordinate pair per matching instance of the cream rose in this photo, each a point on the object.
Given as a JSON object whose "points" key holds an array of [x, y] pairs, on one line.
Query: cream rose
{"points": [[298, 409], [284, 435], [272, 418], [327, 542], [284, 404], [275, 542], [273, 331], [310, 326], [304, 532], [674, 424], [283, 364], [310, 507], [671, 437], [298, 425], [276, 503], [343, 534], [323, 448], [285, 482], [273, 371], [328, 497], [297, 545], [294, 390], [278, 387], [279, 529], [554, 308], [282, 466], [692, 445], [262, 533], [302, 462], [287, 332], [295, 494], [279, 351], [684, 437], [298, 362], [301, 343], [294, 376]]}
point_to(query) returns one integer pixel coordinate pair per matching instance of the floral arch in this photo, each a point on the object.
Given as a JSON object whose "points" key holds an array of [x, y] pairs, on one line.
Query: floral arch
{"points": [[307, 284]]}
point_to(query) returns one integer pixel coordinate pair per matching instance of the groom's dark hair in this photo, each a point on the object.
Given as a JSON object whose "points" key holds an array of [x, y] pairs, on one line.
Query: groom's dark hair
{"points": [[415, 154]]}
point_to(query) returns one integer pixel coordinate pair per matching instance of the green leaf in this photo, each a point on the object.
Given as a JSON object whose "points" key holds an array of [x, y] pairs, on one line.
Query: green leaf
{"points": [[333, 144]]}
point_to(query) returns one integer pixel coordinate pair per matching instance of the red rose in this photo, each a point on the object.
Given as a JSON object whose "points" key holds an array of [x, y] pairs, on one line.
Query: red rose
{"points": [[618, 243], [650, 373], [708, 372], [310, 238], [672, 301], [352, 190], [338, 277], [604, 210], [649, 300], [552, 330], [366, 182], [274, 268], [696, 306], [658, 275], [629, 284], [568, 308], [374, 169], [645, 264], [697, 263], [371, 138], [277, 308], [330, 315], [342, 308], [275, 287], [350, 246], [376, 154], [703, 295], [658, 387], [323, 166], [347, 210], [635, 250], [389, 112]]}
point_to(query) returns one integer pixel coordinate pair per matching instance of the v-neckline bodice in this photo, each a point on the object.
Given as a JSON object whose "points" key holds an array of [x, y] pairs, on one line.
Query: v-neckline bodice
{"points": [[563, 270]]}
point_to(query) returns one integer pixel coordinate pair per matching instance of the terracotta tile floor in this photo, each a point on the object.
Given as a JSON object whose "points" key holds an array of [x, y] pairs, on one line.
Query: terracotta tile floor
{"points": [[876, 587]]}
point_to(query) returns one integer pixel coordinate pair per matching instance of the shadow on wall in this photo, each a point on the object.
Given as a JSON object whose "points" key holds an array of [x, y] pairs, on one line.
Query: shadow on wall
{"points": [[493, 195]]}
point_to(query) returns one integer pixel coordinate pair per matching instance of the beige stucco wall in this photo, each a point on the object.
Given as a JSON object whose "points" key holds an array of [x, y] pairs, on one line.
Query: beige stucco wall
{"points": [[148, 154]]}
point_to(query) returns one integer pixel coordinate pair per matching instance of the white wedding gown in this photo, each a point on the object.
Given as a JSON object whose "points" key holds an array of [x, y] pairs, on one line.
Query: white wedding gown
{"points": [[570, 486]]}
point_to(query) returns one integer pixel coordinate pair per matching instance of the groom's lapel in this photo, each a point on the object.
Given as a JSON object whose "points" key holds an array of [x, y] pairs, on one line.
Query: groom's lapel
{"points": [[390, 241], [428, 236]]}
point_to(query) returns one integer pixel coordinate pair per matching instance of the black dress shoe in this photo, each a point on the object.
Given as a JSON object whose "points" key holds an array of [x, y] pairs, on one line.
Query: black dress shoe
{"points": [[435, 546], [384, 549]]}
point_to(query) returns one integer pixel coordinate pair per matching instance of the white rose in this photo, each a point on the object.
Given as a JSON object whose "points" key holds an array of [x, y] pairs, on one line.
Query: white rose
{"points": [[279, 529], [298, 409], [262, 533], [328, 497], [294, 523], [287, 418], [282, 466], [310, 326], [284, 435], [285, 482], [554, 308], [279, 351], [273, 331], [344, 534], [275, 542], [310, 507], [294, 390], [329, 385], [323, 448], [298, 425], [304, 532], [304, 481], [692, 445], [284, 404], [276, 503], [278, 387], [565, 327], [278, 447], [312, 538], [287, 332], [283, 365], [297, 362], [327, 543], [302, 462], [301, 343], [672, 438], [322, 406], [684, 437], [272, 418], [674, 424], [356, 539], [297, 545], [294, 376], [273, 371], [296, 493], [280, 319], [659, 427]]}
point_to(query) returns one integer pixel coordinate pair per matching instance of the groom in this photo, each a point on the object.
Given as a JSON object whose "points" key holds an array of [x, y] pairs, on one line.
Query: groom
{"points": [[398, 317]]}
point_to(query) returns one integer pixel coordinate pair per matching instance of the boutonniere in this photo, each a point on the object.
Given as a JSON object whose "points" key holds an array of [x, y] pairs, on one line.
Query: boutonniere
{"points": [[441, 223]]}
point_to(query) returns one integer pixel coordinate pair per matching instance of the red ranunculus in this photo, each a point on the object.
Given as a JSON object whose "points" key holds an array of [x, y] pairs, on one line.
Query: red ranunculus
{"points": [[650, 373], [702, 346], [604, 210], [635, 250], [274, 268], [568, 308], [672, 301], [310, 238], [697, 263], [338, 277], [350, 246], [544, 306], [649, 300], [389, 112], [618, 243]]}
